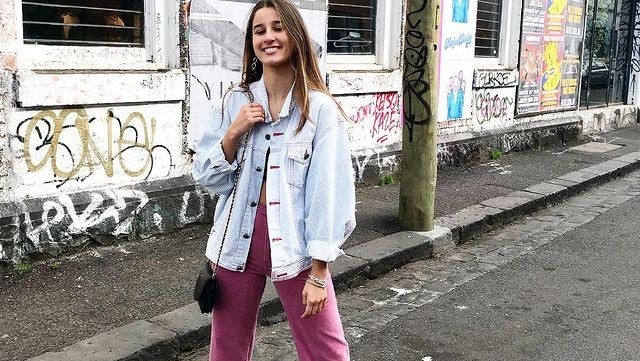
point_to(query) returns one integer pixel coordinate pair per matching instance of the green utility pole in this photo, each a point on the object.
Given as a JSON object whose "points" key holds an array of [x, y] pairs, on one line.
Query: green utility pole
{"points": [[419, 138]]}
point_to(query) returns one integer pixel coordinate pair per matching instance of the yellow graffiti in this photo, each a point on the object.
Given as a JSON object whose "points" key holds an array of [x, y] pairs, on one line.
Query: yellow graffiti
{"points": [[552, 73], [557, 7], [57, 133]]}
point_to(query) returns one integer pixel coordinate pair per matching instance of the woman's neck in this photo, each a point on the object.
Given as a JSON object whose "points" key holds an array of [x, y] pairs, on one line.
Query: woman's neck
{"points": [[278, 82]]}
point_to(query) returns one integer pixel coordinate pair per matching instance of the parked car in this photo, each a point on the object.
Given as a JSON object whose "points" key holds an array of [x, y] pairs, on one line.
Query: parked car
{"points": [[599, 72]]}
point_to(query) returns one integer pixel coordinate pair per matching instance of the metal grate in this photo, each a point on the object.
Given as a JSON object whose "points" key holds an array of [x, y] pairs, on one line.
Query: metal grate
{"points": [[352, 27], [84, 22], [488, 28]]}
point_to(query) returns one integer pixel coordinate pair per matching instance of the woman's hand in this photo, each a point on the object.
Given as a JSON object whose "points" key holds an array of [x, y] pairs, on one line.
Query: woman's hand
{"points": [[314, 298], [248, 116]]}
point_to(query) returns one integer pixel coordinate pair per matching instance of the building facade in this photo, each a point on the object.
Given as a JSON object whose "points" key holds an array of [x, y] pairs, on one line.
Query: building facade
{"points": [[102, 102]]}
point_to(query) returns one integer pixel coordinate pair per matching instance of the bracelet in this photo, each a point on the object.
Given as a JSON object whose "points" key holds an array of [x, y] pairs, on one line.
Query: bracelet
{"points": [[317, 281]]}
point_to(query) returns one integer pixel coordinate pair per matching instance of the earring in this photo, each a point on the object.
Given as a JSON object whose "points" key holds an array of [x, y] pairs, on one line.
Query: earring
{"points": [[254, 63]]}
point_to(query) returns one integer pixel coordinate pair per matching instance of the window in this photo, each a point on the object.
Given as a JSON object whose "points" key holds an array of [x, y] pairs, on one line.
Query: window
{"points": [[488, 28], [84, 22], [352, 27]]}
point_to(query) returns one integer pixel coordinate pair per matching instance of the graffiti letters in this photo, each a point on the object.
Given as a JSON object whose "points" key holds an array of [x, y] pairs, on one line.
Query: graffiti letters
{"points": [[74, 145], [494, 79], [490, 106], [380, 117], [417, 110]]}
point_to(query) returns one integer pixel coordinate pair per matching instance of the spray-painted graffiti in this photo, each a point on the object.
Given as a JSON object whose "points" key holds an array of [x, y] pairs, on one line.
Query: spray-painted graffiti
{"points": [[375, 120], [490, 106], [494, 79], [62, 211], [74, 145], [417, 110], [63, 224]]}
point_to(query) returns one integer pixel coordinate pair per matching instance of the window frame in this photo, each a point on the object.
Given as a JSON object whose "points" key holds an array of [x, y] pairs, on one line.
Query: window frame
{"points": [[387, 54], [160, 50], [509, 40]]}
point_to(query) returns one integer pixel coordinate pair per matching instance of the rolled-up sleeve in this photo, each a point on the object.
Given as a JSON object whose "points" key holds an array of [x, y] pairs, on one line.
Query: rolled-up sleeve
{"points": [[329, 189], [210, 167]]}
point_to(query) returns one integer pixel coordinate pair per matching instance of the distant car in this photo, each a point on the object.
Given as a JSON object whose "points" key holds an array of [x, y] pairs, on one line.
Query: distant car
{"points": [[599, 74]]}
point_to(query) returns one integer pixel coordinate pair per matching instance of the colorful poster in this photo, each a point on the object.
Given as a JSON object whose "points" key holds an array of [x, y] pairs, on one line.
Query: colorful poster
{"points": [[457, 58], [550, 55]]}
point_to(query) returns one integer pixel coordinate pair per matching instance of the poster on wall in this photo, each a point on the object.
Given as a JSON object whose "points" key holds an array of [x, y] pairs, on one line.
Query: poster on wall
{"points": [[216, 45], [458, 25], [550, 55]]}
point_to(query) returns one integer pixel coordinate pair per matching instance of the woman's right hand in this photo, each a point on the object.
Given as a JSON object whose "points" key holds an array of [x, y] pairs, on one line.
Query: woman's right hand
{"points": [[249, 115]]}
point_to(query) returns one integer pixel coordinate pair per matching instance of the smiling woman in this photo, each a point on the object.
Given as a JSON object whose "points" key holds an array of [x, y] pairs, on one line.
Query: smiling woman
{"points": [[278, 146], [83, 22]]}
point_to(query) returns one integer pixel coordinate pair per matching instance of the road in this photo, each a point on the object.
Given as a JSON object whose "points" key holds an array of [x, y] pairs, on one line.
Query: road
{"points": [[562, 284]]}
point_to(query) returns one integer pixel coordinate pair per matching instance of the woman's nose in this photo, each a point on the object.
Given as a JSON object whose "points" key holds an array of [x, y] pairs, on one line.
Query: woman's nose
{"points": [[270, 36]]}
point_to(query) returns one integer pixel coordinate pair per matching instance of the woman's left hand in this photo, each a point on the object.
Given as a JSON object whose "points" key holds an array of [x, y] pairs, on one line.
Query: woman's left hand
{"points": [[314, 298]]}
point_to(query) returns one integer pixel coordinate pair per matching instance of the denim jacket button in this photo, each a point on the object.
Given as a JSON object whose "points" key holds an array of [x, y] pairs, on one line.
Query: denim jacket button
{"points": [[258, 169], [253, 204], [268, 136], [245, 236]]}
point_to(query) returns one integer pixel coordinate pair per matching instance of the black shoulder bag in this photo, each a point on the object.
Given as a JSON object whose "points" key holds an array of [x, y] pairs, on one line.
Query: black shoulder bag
{"points": [[205, 290]]}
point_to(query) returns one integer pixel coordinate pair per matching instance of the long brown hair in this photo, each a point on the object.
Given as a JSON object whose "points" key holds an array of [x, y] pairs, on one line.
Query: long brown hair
{"points": [[303, 57]]}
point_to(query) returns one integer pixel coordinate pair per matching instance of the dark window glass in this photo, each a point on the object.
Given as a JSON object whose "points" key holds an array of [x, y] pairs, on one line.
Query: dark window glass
{"points": [[488, 28], [83, 22], [352, 27]]}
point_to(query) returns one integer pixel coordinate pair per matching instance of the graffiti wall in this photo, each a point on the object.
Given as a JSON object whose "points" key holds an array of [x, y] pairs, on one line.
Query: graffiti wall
{"points": [[68, 222], [550, 57], [216, 41], [375, 120], [66, 149], [457, 40], [493, 99]]}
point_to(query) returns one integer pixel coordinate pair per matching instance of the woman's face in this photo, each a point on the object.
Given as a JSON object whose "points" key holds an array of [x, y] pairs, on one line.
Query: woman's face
{"points": [[270, 41]]}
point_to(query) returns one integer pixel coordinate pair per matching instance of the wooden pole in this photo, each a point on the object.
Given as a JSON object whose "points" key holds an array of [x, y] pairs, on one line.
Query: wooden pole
{"points": [[419, 138]]}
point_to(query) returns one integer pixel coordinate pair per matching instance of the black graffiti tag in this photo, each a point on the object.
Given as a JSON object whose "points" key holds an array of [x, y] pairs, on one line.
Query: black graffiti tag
{"points": [[416, 88]]}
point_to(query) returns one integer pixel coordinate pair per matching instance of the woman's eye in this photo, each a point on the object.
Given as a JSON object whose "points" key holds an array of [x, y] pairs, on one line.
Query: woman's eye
{"points": [[258, 32]]}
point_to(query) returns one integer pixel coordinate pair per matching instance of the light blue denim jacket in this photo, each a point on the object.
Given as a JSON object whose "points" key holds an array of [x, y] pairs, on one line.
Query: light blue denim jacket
{"points": [[310, 191]]}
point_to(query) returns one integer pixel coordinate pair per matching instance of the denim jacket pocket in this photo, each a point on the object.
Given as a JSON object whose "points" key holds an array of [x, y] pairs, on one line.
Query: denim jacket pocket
{"points": [[298, 158]]}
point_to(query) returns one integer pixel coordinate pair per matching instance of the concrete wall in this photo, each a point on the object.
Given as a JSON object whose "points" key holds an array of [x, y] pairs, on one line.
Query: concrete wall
{"points": [[92, 140]]}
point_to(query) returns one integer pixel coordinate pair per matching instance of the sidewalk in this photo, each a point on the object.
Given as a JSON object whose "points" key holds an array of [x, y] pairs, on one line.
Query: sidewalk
{"points": [[140, 294]]}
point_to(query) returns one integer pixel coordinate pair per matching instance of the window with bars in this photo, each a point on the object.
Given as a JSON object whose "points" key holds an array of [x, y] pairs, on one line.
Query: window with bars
{"points": [[84, 22], [352, 27], [488, 28]]}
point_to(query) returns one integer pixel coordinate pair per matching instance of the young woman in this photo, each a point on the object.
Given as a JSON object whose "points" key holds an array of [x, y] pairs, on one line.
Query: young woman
{"points": [[294, 202]]}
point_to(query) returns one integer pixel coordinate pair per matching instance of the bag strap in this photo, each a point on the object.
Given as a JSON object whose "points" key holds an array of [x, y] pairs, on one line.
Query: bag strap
{"points": [[235, 188]]}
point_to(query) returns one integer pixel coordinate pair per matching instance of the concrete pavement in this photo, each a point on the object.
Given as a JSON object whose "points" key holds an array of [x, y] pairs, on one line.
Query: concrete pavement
{"points": [[471, 200]]}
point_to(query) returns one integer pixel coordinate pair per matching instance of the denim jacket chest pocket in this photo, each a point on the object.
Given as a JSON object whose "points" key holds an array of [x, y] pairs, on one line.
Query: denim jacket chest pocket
{"points": [[297, 163]]}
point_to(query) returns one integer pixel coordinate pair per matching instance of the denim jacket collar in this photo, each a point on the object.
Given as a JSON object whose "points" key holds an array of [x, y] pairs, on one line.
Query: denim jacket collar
{"points": [[260, 93]]}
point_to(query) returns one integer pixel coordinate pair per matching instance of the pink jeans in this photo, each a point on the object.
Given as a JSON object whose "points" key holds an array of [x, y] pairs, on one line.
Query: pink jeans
{"points": [[319, 337]]}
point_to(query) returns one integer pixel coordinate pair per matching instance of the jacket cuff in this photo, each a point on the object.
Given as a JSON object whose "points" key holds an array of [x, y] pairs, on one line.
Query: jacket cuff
{"points": [[323, 251], [219, 161]]}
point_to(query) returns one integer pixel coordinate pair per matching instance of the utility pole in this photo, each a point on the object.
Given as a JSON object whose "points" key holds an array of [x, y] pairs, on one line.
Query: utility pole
{"points": [[419, 138]]}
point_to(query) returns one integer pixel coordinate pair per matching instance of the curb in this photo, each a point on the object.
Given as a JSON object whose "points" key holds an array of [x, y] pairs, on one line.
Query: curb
{"points": [[165, 336]]}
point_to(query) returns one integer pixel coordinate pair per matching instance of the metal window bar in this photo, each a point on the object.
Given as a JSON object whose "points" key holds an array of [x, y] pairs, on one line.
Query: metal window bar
{"points": [[40, 25], [351, 28], [488, 28]]}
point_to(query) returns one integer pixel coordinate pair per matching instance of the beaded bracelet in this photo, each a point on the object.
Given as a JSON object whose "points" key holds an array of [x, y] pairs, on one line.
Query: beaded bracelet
{"points": [[317, 281]]}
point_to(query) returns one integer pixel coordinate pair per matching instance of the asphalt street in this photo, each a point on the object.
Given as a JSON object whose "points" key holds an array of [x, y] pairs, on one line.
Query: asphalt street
{"points": [[575, 298], [562, 284]]}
